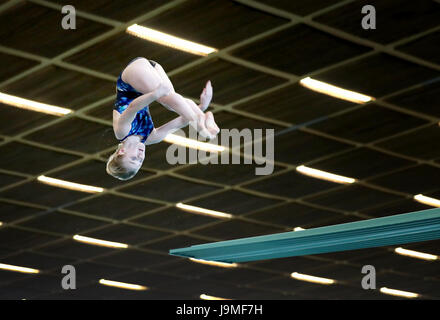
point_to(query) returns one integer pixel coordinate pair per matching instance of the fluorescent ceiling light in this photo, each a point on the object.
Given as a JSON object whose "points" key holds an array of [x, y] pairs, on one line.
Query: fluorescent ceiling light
{"points": [[298, 229], [415, 254], [427, 200], [32, 105], [334, 91], [17, 268], [206, 297], [169, 40], [207, 212], [215, 263], [324, 175], [194, 144], [305, 277], [398, 293], [122, 285], [98, 242], [69, 185]]}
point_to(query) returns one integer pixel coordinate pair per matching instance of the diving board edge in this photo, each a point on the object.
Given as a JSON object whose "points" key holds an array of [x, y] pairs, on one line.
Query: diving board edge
{"points": [[397, 229]]}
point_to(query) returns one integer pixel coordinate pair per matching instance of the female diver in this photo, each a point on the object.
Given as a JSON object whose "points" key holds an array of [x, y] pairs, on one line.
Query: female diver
{"points": [[142, 82]]}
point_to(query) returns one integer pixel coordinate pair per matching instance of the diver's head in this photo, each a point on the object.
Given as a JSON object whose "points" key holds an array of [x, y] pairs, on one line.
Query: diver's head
{"points": [[126, 161]]}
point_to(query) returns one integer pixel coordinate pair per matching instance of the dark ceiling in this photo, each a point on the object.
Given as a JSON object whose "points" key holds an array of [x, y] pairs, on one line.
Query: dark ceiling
{"points": [[265, 47]]}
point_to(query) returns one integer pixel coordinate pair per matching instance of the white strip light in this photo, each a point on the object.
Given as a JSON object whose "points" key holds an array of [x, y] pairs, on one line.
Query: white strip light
{"points": [[69, 185], [17, 268], [32, 105], [1, 223], [399, 293], [415, 254], [98, 242], [305, 277], [334, 91], [427, 200], [122, 285], [324, 175], [207, 212], [206, 297], [169, 40], [215, 263], [298, 229], [194, 144]]}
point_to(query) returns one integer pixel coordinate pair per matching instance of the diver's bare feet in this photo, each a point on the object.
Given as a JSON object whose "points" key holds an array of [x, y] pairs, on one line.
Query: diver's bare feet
{"points": [[206, 96]]}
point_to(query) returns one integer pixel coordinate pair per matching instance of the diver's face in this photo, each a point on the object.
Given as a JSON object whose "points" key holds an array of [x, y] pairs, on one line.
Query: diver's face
{"points": [[134, 155]]}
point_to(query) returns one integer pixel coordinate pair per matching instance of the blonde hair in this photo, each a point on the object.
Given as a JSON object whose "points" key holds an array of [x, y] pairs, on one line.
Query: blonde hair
{"points": [[116, 169]]}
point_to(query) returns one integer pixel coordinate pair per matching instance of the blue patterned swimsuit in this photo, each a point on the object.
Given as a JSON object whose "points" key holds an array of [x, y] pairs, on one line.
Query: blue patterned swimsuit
{"points": [[142, 124]]}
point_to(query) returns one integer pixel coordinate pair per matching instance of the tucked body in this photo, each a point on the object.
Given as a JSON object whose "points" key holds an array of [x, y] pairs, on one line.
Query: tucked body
{"points": [[142, 82]]}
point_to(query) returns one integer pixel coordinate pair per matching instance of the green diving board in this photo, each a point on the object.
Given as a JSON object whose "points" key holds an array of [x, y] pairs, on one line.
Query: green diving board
{"points": [[391, 230]]}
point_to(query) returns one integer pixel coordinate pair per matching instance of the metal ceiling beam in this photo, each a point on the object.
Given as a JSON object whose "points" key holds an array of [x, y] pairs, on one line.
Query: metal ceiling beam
{"points": [[119, 27], [308, 20]]}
